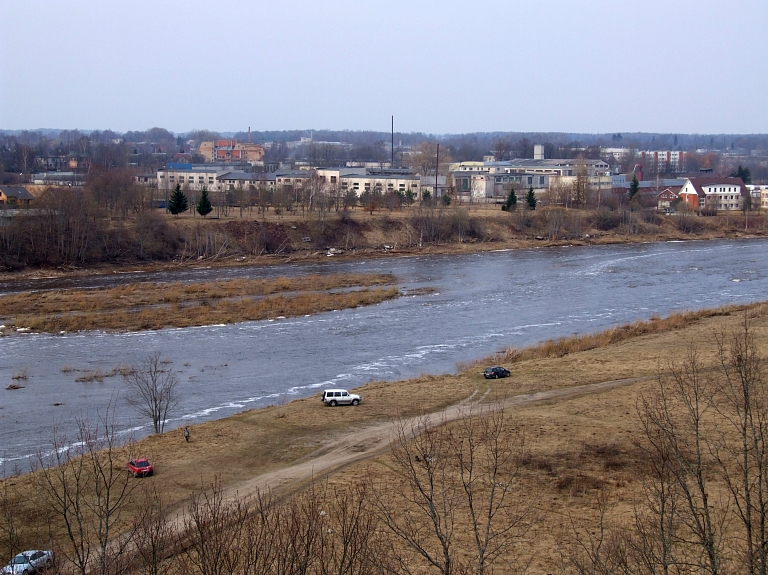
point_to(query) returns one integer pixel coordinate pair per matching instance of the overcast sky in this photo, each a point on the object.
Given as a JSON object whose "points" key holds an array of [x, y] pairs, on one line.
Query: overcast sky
{"points": [[439, 66]]}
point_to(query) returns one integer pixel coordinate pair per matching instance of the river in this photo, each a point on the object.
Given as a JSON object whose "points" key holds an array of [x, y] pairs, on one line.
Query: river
{"points": [[482, 303]]}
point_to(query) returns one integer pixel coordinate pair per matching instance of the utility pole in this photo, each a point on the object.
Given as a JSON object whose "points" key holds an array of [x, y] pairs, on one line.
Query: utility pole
{"points": [[437, 169]]}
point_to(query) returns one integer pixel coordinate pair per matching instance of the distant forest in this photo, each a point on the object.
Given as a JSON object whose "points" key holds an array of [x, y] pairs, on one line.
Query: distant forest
{"points": [[481, 141]]}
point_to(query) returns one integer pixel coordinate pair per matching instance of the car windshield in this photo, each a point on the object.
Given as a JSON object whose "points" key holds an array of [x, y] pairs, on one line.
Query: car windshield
{"points": [[142, 464], [20, 559]]}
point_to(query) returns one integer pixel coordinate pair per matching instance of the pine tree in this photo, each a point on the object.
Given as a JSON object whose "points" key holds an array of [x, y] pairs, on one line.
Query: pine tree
{"points": [[511, 202], [178, 202], [530, 199], [742, 173], [204, 206], [634, 187]]}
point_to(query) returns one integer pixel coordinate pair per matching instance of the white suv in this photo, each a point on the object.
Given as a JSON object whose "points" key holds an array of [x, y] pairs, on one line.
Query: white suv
{"points": [[334, 397]]}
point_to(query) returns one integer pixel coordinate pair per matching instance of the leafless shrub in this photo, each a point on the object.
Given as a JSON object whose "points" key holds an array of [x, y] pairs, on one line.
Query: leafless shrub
{"points": [[152, 390]]}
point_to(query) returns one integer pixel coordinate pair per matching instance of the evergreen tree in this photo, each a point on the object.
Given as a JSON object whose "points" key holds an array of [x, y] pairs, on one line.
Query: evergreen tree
{"points": [[178, 202], [204, 206], [742, 173], [511, 202], [446, 200], [634, 187], [530, 199]]}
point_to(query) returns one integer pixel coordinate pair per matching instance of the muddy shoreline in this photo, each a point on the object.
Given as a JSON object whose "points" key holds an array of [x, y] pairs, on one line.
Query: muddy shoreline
{"points": [[307, 256]]}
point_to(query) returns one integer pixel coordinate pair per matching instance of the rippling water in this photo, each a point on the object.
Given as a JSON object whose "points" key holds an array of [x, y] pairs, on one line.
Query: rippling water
{"points": [[482, 303]]}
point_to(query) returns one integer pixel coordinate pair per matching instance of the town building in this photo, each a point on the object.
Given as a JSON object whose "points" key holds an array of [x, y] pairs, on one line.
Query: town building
{"points": [[227, 151], [189, 176], [491, 181], [149, 180], [58, 179], [617, 154], [759, 195], [15, 196], [722, 194], [663, 161], [383, 183], [666, 198]]}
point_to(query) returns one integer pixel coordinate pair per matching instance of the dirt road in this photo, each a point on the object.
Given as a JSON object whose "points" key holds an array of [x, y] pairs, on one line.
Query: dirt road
{"points": [[356, 445]]}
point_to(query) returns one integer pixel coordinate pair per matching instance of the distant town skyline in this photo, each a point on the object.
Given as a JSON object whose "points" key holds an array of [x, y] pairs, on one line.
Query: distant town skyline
{"points": [[443, 68]]}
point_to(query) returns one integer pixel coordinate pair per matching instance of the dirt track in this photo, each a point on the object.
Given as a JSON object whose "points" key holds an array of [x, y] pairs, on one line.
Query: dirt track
{"points": [[339, 452]]}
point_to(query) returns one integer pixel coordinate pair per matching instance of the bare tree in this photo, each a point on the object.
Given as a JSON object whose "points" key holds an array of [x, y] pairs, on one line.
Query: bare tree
{"points": [[655, 546], [593, 549], [152, 535], [86, 487], [212, 539], [152, 390], [466, 473], [10, 520], [298, 539], [489, 464], [502, 149], [349, 535], [581, 184], [677, 416], [741, 445], [421, 511]]}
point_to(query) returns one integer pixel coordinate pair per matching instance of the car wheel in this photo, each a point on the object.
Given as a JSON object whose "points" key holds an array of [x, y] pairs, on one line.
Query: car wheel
{"points": [[48, 563], [355, 402], [25, 572], [332, 403]]}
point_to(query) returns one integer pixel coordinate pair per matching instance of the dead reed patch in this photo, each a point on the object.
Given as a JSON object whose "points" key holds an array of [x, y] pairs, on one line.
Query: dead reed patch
{"points": [[555, 348], [155, 306], [148, 294]]}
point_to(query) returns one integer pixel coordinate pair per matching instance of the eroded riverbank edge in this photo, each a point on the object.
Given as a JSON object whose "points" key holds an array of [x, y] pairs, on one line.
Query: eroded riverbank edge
{"points": [[315, 256]]}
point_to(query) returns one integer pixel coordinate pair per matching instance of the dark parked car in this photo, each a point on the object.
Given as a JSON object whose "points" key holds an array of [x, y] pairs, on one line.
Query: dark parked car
{"points": [[495, 372]]}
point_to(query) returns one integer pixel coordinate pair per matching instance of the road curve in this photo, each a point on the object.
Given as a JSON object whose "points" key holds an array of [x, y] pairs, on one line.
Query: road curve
{"points": [[357, 445]]}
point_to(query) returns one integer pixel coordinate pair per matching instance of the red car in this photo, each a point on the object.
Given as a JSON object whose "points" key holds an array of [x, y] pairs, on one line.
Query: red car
{"points": [[140, 467]]}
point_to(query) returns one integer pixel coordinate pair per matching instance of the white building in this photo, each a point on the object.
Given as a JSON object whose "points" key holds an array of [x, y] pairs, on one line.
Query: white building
{"points": [[759, 196], [722, 194], [552, 167], [382, 183], [493, 180], [663, 160], [618, 154], [189, 176]]}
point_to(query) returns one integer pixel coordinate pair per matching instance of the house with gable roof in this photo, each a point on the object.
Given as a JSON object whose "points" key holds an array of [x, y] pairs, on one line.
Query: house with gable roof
{"points": [[722, 194], [15, 196]]}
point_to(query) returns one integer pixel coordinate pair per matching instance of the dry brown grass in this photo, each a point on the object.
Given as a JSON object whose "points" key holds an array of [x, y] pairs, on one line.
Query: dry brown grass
{"points": [[560, 347], [154, 306], [578, 447]]}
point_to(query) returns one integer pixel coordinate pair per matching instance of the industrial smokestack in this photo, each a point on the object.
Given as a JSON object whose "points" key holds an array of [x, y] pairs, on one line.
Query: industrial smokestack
{"points": [[249, 134]]}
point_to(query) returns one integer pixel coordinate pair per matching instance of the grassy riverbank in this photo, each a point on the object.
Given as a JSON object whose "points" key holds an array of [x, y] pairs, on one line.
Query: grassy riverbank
{"points": [[581, 442], [140, 306]]}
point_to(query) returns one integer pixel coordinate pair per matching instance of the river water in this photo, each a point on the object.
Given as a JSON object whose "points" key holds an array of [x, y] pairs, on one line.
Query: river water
{"points": [[482, 303]]}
